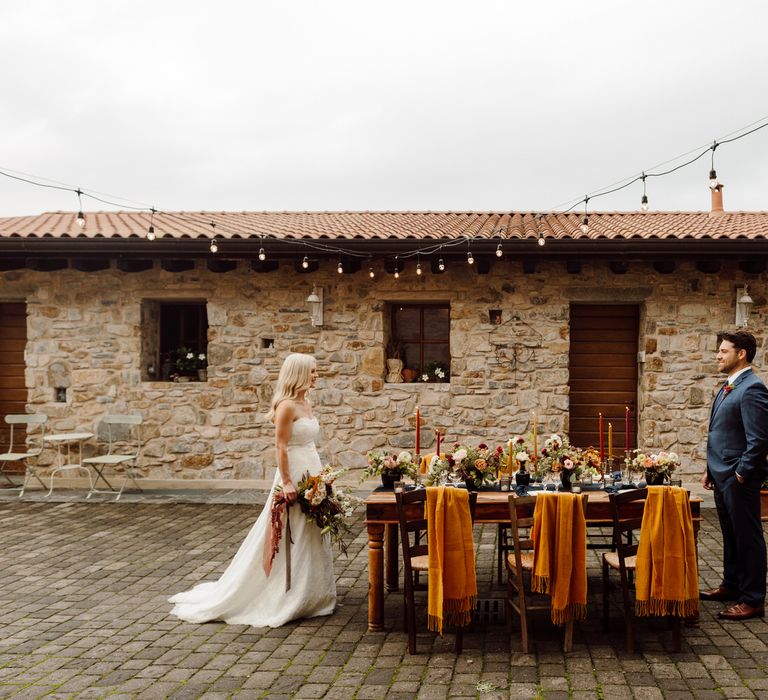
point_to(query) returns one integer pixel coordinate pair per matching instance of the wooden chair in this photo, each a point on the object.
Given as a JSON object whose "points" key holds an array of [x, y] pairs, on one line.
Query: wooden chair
{"points": [[411, 513], [627, 509], [519, 564], [22, 452]]}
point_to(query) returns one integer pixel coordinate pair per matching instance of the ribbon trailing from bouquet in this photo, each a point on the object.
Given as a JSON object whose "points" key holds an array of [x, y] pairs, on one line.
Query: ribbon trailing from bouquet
{"points": [[274, 534]]}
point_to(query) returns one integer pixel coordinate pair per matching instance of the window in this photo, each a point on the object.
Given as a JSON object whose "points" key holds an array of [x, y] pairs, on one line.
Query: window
{"points": [[420, 334], [172, 330]]}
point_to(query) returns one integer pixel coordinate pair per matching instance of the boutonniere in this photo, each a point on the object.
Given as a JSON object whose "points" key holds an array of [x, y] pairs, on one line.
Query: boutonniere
{"points": [[727, 389]]}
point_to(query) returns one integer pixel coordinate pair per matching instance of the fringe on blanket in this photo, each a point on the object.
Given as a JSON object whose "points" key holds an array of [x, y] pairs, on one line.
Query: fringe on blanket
{"points": [[662, 608], [455, 613]]}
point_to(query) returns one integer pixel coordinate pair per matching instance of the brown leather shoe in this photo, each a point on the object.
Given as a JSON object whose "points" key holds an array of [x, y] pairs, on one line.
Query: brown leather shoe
{"points": [[741, 611], [718, 593]]}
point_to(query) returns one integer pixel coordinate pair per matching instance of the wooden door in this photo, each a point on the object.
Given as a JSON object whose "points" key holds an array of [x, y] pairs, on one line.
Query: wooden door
{"points": [[13, 391], [603, 374]]}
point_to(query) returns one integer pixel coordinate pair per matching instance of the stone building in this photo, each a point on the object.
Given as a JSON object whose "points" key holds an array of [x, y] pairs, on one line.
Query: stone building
{"points": [[618, 319]]}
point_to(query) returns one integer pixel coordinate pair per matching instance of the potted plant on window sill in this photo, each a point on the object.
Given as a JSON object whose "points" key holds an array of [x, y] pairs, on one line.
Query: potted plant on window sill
{"points": [[185, 364]]}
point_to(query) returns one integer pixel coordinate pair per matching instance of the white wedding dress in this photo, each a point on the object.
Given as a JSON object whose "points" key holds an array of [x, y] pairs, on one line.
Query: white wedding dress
{"points": [[244, 595]]}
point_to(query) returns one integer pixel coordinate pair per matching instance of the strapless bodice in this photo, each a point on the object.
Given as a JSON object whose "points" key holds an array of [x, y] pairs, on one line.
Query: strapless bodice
{"points": [[304, 431]]}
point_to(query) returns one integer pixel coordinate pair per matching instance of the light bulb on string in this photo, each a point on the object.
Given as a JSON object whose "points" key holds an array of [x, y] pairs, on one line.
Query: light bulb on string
{"points": [[541, 241], [340, 267], [644, 198], [585, 221], [470, 258], [499, 251], [151, 229], [397, 269], [80, 215], [305, 263], [214, 244], [418, 269], [713, 183], [371, 273], [262, 255], [441, 265]]}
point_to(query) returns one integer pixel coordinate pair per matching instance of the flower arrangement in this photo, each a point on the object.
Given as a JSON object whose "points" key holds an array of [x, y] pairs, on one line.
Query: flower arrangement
{"points": [[559, 456], [478, 464], [522, 453], [662, 463], [383, 463], [324, 504], [435, 372]]}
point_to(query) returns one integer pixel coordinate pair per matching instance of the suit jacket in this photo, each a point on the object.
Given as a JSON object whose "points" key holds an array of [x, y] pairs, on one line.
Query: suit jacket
{"points": [[738, 431]]}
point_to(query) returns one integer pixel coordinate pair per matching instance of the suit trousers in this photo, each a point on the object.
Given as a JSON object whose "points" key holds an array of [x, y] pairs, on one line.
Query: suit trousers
{"points": [[744, 551]]}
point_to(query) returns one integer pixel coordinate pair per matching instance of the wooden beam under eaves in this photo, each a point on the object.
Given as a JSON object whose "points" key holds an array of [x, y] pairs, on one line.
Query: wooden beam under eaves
{"points": [[47, 264], [221, 265], [90, 264], [708, 267], [133, 265], [177, 265], [264, 265]]}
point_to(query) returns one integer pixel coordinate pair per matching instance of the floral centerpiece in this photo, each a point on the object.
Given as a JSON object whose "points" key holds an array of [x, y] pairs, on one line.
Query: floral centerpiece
{"points": [[657, 467], [475, 465], [522, 456], [390, 467], [558, 456], [322, 502]]}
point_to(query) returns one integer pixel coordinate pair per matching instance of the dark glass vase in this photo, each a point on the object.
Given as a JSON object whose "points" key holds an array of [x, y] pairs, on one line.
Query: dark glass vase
{"points": [[523, 478], [388, 479], [471, 484], [565, 480], [654, 478]]}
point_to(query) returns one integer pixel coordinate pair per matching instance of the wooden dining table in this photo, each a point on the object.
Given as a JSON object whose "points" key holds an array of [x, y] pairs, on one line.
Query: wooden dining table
{"points": [[492, 507]]}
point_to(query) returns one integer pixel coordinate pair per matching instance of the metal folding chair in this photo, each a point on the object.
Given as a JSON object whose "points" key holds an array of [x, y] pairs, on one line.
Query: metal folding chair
{"points": [[122, 449], [25, 452]]}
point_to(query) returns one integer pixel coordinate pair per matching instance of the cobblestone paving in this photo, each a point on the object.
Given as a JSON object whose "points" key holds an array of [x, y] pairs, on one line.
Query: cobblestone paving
{"points": [[83, 614]]}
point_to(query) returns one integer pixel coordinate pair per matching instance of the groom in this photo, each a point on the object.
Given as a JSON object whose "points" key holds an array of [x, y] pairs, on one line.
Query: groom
{"points": [[737, 444]]}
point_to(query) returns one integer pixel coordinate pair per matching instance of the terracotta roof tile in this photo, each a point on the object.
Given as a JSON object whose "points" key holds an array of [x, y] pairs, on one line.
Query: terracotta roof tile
{"points": [[392, 225]]}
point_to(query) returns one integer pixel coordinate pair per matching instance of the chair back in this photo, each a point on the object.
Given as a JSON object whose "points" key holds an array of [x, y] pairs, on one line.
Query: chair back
{"points": [[627, 512], [34, 438], [115, 436]]}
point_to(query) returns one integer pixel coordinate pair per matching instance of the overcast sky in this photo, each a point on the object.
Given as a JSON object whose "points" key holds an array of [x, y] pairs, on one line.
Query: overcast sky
{"points": [[348, 105]]}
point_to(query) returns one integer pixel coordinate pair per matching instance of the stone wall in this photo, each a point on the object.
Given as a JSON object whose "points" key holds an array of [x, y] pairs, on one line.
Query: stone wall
{"points": [[84, 334]]}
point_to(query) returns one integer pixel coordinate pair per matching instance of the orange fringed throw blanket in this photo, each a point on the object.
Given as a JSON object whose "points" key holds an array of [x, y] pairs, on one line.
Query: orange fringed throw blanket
{"points": [[667, 577], [560, 555], [452, 584]]}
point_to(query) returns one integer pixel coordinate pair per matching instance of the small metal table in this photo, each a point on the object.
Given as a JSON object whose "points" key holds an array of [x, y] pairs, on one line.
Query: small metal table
{"points": [[68, 440]]}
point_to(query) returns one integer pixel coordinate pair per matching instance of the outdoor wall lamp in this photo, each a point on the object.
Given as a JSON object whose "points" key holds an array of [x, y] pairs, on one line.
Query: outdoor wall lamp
{"points": [[315, 301], [743, 305]]}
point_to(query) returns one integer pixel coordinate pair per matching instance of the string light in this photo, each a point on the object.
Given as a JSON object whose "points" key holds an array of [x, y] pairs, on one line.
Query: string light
{"points": [[470, 259], [644, 198], [499, 251], [371, 273], [541, 241], [262, 254], [80, 215], [305, 262], [441, 265], [214, 246], [397, 269], [418, 269], [151, 229], [585, 221], [339, 267], [713, 183]]}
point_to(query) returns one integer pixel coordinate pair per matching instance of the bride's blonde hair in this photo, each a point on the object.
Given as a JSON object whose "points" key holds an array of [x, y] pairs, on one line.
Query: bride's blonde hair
{"points": [[295, 376]]}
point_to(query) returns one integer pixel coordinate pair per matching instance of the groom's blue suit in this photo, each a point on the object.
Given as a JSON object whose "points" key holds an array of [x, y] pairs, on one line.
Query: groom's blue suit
{"points": [[737, 443]]}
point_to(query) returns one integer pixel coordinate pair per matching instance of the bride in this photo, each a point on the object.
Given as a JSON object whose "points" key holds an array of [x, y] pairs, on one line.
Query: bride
{"points": [[245, 594]]}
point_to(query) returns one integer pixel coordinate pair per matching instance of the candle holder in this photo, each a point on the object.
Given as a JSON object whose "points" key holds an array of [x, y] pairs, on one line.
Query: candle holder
{"points": [[417, 477], [627, 461]]}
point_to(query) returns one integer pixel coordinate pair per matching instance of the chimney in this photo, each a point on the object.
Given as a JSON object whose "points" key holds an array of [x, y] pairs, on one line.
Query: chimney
{"points": [[717, 201]]}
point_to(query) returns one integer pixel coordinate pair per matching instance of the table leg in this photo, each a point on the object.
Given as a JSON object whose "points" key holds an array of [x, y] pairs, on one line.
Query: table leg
{"points": [[375, 577], [392, 560]]}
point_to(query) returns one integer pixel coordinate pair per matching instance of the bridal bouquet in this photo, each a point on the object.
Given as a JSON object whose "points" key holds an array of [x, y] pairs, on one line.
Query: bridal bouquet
{"points": [[322, 502]]}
